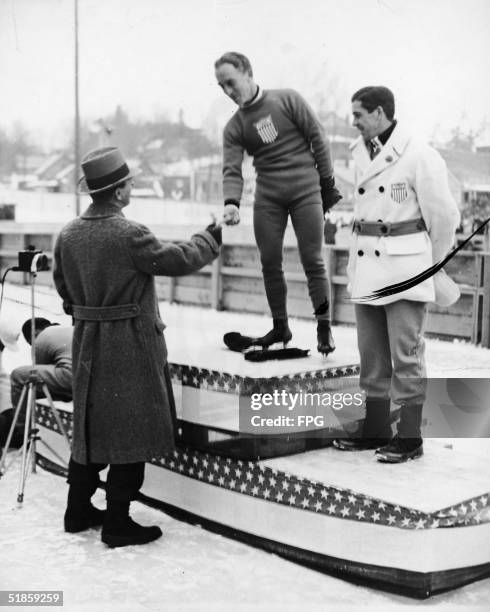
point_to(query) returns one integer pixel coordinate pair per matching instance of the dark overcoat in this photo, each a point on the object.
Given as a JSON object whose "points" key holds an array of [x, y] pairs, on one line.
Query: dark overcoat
{"points": [[120, 395]]}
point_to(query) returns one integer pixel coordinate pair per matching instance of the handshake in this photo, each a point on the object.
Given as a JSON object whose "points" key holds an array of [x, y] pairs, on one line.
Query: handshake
{"points": [[231, 216]]}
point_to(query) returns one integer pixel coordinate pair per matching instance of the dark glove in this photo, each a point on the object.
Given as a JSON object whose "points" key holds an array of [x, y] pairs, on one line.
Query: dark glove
{"points": [[216, 233], [330, 193]]}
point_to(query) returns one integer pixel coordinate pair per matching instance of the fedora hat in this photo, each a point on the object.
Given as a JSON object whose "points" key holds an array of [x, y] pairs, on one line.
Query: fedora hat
{"points": [[103, 169]]}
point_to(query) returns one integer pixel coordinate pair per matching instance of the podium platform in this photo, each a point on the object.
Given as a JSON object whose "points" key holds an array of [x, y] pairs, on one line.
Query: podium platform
{"points": [[213, 385], [417, 528]]}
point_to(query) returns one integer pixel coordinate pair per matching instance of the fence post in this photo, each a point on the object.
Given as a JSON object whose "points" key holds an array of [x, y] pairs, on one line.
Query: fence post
{"points": [[216, 283], [171, 289], [485, 322]]}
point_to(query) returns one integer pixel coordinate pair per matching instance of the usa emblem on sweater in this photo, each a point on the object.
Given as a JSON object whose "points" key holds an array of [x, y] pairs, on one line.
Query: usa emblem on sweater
{"points": [[266, 129], [399, 192]]}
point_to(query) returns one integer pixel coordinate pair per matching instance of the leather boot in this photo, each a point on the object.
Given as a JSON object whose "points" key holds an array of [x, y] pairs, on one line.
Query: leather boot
{"points": [[17, 440], [324, 337], [119, 529], [407, 444], [279, 333], [80, 513], [375, 431]]}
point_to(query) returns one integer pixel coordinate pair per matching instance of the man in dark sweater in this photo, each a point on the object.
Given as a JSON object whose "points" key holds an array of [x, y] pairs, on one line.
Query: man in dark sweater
{"points": [[294, 178]]}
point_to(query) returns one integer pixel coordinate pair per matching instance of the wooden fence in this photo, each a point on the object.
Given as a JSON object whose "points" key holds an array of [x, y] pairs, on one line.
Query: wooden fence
{"points": [[234, 282]]}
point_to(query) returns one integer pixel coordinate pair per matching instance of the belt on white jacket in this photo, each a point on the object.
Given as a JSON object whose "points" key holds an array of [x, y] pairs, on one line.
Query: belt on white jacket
{"points": [[379, 228]]}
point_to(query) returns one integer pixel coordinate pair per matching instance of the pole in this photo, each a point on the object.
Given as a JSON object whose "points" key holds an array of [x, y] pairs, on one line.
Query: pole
{"points": [[77, 117]]}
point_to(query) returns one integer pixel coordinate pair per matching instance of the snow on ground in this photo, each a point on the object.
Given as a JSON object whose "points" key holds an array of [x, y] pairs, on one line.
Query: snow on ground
{"points": [[189, 568]]}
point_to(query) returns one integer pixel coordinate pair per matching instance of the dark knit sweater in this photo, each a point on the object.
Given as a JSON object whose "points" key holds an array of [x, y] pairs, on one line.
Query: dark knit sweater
{"points": [[286, 140]]}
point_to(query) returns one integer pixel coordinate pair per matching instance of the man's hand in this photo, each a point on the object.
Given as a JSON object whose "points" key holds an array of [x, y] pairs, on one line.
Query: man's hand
{"points": [[231, 215], [330, 194]]}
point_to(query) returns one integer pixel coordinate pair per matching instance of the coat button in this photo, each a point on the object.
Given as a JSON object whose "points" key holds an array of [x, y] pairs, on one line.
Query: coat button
{"points": [[381, 189], [361, 190], [384, 229], [376, 253], [360, 253]]}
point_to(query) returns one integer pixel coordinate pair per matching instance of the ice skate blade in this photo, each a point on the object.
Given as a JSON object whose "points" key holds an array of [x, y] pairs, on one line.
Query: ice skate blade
{"points": [[325, 353], [274, 346]]}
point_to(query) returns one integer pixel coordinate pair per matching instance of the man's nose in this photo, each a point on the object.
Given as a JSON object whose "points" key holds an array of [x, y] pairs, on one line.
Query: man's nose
{"points": [[228, 90]]}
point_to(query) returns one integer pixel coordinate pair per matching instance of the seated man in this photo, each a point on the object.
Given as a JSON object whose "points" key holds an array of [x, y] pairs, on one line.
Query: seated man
{"points": [[53, 366]]}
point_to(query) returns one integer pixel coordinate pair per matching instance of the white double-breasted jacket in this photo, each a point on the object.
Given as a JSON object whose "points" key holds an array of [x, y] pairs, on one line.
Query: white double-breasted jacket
{"points": [[407, 180]]}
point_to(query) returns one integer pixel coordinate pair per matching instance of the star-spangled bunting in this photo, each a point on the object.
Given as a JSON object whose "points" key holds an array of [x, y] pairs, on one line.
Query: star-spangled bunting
{"points": [[256, 480], [202, 378]]}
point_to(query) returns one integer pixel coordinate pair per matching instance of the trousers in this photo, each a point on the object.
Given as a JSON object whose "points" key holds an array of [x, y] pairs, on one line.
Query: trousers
{"points": [[270, 219], [392, 351], [57, 379], [123, 480]]}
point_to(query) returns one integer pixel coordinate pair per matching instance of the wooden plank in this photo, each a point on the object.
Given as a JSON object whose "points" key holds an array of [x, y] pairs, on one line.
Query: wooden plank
{"points": [[193, 280], [485, 333], [233, 300], [216, 284], [192, 295], [447, 325]]}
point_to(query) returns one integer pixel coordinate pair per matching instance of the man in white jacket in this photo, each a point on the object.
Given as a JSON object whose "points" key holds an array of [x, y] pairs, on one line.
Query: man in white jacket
{"points": [[405, 221]]}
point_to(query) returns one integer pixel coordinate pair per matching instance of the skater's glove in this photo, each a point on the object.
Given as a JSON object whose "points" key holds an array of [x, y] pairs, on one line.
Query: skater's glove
{"points": [[330, 193], [231, 213], [215, 231]]}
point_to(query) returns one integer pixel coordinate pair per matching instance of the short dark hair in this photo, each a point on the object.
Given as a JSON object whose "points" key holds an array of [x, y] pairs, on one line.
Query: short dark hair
{"points": [[376, 95], [39, 325], [240, 61]]}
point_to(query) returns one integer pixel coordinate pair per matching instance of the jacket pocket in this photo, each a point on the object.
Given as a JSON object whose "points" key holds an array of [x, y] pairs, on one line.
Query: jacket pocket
{"points": [[410, 244]]}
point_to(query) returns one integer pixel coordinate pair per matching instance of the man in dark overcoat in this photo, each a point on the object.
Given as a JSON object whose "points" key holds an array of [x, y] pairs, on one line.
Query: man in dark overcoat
{"points": [[104, 266]]}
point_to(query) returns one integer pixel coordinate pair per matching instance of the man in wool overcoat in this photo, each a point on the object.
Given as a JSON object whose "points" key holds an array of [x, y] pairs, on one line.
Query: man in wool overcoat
{"points": [[104, 268]]}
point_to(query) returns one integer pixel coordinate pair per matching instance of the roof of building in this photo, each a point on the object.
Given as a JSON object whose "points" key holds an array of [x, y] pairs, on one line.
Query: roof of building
{"points": [[469, 168]]}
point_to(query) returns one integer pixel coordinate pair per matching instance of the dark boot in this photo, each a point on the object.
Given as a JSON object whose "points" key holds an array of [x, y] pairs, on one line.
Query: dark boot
{"points": [[119, 529], [376, 429], [17, 440], [80, 513], [83, 481], [407, 444], [279, 333], [324, 337]]}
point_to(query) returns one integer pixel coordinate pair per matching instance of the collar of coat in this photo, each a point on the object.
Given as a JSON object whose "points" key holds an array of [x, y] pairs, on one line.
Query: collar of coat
{"points": [[102, 210], [389, 154]]}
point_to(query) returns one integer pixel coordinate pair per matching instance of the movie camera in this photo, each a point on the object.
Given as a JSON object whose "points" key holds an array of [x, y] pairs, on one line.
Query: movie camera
{"points": [[31, 260]]}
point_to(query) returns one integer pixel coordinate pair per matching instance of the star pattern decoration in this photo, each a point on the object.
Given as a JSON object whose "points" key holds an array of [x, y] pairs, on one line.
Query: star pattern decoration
{"points": [[262, 482], [254, 479], [202, 378]]}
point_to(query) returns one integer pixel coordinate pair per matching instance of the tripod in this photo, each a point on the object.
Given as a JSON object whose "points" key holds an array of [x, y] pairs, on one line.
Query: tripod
{"points": [[29, 388]]}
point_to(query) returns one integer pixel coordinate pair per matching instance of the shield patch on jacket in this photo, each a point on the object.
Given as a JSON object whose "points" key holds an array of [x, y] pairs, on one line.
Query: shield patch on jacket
{"points": [[399, 192], [266, 129]]}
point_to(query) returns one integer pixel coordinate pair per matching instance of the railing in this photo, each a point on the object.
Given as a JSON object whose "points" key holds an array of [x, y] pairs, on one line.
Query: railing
{"points": [[234, 282]]}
